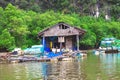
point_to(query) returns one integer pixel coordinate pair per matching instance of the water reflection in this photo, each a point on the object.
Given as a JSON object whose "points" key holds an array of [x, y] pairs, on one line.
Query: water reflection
{"points": [[22, 71], [62, 71], [110, 64], [102, 67]]}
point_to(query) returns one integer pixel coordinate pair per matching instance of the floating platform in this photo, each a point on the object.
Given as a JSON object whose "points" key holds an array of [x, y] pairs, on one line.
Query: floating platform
{"points": [[47, 58], [111, 51], [29, 59]]}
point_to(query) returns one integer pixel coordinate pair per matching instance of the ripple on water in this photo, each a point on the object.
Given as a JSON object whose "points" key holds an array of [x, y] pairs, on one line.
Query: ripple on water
{"points": [[105, 67]]}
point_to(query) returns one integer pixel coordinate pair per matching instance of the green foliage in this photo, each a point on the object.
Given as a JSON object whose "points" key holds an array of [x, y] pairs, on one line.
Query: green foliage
{"points": [[6, 40], [89, 39], [20, 28], [114, 29], [82, 7]]}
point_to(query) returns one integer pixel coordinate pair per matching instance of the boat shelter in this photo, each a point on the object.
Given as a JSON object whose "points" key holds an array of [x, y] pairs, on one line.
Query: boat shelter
{"points": [[61, 37]]}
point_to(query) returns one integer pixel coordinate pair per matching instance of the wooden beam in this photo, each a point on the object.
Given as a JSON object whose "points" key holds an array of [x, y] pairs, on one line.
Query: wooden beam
{"points": [[43, 43], [77, 38], [60, 46]]}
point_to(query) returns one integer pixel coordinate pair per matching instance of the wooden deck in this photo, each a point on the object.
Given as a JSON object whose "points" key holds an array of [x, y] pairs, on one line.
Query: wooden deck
{"points": [[64, 57]]}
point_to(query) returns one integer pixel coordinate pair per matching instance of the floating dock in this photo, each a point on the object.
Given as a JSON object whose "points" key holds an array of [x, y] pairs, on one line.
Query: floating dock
{"points": [[50, 58]]}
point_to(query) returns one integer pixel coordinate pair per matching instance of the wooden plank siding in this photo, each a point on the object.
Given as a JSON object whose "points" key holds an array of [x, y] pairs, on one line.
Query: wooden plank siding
{"points": [[57, 31], [70, 35]]}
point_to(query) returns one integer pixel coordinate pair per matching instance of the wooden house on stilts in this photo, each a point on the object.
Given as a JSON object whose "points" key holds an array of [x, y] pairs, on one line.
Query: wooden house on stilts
{"points": [[61, 36]]}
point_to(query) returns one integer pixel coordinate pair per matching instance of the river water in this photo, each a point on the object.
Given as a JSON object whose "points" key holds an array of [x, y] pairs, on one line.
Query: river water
{"points": [[101, 67]]}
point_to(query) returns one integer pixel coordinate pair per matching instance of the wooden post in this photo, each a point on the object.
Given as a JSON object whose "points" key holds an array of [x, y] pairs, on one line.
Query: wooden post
{"points": [[77, 38], [43, 43], [61, 40], [60, 46]]}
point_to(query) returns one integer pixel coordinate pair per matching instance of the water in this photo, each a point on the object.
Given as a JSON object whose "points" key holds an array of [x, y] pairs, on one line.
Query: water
{"points": [[102, 67]]}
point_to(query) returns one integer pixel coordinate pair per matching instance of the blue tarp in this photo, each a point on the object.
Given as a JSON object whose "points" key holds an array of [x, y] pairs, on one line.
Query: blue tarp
{"points": [[52, 54], [47, 49]]}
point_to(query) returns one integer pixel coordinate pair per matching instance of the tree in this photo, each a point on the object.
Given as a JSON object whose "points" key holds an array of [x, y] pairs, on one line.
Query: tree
{"points": [[16, 24], [7, 41]]}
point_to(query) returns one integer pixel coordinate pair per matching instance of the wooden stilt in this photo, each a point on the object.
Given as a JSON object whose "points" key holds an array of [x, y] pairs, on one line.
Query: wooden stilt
{"points": [[43, 45], [60, 46], [77, 38], [60, 40]]}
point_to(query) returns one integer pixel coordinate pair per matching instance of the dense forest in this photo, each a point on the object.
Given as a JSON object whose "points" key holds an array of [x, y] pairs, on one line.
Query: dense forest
{"points": [[81, 7], [21, 20]]}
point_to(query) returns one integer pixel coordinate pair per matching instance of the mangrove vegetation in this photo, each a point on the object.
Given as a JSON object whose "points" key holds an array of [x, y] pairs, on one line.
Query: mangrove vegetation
{"points": [[19, 25]]}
